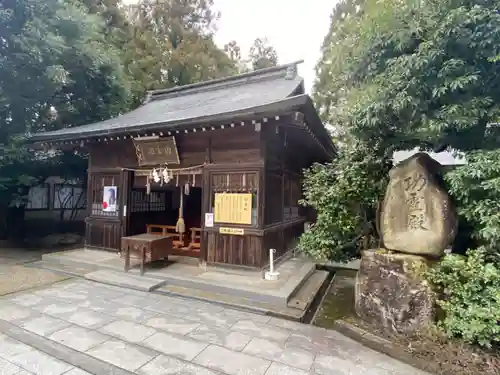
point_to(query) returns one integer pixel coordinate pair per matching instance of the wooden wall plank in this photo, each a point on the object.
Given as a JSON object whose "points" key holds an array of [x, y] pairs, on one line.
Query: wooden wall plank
{"points": [[233, 145], [230, 146]]}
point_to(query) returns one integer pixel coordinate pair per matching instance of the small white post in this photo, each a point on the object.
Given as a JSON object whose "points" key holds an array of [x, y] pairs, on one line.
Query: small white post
{"points": [[271, 260], [271, 274]]}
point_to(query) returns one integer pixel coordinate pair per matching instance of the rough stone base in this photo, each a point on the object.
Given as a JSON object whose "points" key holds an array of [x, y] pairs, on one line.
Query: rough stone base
{"points": [[392, 293]]}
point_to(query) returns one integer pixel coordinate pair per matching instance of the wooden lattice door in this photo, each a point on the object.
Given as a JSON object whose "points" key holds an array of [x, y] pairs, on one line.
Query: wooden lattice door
{"points": [[127, 180], [104, 227]]}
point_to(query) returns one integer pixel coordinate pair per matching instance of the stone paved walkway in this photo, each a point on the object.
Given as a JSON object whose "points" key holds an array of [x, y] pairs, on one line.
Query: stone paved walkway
{"points": [[78, 327]]}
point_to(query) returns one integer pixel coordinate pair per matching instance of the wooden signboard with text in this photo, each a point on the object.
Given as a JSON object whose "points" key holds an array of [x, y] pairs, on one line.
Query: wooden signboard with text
{"points": [[233, 208], [232, 231], [156, 151]]}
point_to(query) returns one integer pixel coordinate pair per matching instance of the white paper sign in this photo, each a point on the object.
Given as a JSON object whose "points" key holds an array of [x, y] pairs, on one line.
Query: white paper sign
{"points": [[109, 199], [209, 220]]}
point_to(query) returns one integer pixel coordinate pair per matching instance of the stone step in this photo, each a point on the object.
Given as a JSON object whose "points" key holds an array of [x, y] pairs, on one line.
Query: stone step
{"points": [[125, 280], [278, 298], [296, 309], [76, 270], [295, 283], [304, 296], [73, 259], [183, 278], [232, 302]]}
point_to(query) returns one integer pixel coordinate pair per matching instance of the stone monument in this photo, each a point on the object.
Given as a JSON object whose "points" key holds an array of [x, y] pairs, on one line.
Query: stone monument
{"points": [[417, 222]]}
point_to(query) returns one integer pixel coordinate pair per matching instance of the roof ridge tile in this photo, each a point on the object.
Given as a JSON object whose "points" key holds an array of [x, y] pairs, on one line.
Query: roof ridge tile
{"points": [[224, 82]]}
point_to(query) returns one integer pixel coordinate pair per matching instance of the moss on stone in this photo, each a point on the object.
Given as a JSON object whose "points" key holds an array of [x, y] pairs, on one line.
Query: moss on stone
{"points": [[417, 269], [382, 251]]}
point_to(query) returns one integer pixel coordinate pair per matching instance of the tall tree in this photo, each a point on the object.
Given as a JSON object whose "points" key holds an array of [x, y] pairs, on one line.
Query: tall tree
{"points": [[411, 73], [233, 50], [262, 54], [139, 52], [397, 65], [112, 12], [327, 93], [183, 34], [56, 59], [56, 69]]}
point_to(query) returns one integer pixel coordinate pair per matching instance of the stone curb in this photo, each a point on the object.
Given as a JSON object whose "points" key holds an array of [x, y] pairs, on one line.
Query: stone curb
{"points": [[70, 356], [235, 306], [379, 344]]}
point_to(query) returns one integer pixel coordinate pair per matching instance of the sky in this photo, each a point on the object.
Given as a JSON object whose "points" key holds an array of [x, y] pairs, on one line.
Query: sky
{"points": [[296, 28], [445, 157]]}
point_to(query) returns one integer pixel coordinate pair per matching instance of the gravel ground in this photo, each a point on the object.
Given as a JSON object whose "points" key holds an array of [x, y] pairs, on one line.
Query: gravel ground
{"points": [[14, 278]]}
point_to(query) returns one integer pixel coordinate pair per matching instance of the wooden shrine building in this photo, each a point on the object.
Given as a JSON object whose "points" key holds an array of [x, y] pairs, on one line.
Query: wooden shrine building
{"points": [[223, 157]]}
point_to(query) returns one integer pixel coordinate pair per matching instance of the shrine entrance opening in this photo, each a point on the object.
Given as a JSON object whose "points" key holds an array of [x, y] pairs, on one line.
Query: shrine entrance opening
{"points": [[173, 209]]}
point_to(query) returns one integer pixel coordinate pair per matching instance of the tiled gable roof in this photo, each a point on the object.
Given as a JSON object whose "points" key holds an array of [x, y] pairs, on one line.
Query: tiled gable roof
{"points": [[187, 104]]}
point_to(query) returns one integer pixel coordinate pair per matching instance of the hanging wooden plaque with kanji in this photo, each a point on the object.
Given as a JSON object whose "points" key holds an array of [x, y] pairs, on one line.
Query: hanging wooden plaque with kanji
{"points": [[156, 151]]}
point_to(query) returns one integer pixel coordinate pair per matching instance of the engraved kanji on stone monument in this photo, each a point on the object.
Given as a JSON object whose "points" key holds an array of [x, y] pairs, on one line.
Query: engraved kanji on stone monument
{"points": [[417, 216], [413, 186]]}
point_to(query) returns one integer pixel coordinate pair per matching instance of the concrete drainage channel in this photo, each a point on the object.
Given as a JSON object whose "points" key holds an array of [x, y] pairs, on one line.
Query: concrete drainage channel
{"points": [[315, 306]]}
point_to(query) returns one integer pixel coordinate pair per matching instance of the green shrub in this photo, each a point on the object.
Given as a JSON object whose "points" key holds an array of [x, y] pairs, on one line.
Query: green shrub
{"points": [[470, 284], [470, 287], [344, 195]]}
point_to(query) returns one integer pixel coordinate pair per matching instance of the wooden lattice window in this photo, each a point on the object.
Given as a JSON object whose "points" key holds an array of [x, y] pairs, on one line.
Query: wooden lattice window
{"points": [[237, 182], [287, 198], [291, 196], [97, 184], [142, 202], [69, 197], [157, 201], [296, 196]]}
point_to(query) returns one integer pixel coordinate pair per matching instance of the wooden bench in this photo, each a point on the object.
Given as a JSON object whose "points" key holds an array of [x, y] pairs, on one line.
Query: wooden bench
{"points": [[167, 230], [195, 239]]}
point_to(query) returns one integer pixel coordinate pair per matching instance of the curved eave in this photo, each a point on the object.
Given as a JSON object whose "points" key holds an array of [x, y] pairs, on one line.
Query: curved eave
{"points": [[268, 108], [317, 128], [301, 103]]}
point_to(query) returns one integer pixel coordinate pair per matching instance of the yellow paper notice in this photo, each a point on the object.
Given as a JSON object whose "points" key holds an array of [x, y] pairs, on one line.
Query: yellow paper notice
{"points": [[233, 208]]}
